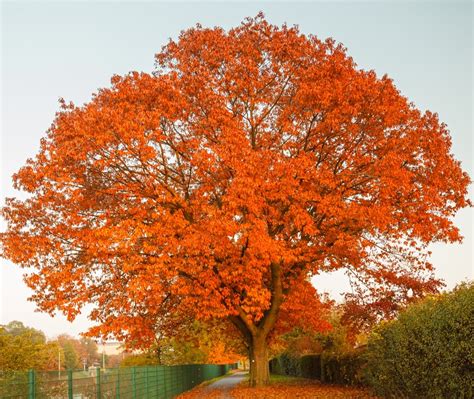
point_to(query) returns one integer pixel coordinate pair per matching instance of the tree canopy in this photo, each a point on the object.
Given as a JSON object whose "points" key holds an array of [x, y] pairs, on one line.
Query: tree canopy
{"points": [[23, 348], [248, 161]]}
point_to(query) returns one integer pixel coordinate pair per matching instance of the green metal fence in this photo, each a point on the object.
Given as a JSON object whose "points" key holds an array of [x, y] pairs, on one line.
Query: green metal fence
{"points": [[153, 382]]}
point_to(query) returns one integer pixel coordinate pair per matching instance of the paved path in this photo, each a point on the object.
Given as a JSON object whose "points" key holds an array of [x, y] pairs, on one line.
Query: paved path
{"points": [[225, 384]]}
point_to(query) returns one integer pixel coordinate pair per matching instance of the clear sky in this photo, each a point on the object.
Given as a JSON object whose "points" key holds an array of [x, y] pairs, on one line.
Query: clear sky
{"points": [[70, 49]]}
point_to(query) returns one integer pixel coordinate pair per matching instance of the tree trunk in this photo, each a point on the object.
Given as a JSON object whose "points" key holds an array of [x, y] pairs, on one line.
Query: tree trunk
{"points": [[259, 369], [256, 334]]}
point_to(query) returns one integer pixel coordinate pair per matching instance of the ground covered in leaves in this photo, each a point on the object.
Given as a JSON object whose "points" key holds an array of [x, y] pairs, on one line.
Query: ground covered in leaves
{"points": [[281, 388]]}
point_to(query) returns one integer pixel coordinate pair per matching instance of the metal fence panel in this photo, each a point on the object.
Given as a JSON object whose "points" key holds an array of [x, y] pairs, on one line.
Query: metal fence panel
{"points": [[147, 382]]}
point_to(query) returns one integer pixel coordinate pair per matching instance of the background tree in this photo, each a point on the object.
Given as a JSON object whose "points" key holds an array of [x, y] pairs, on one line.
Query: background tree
{"points": [[205, 342], [71, 357], [195, 342], [116, 360], [250, 160], [141, 359], [88, 351], [77, 352], [23, 348], [16, 328]]}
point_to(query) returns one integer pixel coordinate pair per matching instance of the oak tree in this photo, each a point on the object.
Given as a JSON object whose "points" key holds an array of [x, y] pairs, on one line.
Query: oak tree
{"points": [[248, 161]]}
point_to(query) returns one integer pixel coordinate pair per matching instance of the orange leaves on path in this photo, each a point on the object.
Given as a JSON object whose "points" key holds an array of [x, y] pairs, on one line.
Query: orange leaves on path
{"points": [[308, 391], [302, 390]]}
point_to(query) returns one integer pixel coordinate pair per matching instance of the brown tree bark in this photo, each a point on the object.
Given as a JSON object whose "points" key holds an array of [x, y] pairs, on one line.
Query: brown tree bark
{"points": [[259, 369], [256, 334]]}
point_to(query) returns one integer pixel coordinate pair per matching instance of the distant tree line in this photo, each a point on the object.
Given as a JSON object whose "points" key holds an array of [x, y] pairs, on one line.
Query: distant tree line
{"points": [[23, 348]]}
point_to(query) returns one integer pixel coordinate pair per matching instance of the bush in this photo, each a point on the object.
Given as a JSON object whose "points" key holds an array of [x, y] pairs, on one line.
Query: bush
{"points": [[310, 366], [143, 359], [428, 351], [286, 365], [343, 368]]}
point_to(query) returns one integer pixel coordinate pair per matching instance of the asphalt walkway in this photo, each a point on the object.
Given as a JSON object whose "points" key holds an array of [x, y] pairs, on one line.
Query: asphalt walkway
{"points": [[225, 384]]}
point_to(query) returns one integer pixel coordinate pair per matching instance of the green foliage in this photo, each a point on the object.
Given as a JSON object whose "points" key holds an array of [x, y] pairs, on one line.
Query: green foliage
{"points": [[88, 351], [428, 351], [310, 366], [143, 359], [196, 342], [17, 328], [344, 368], [71, 360], [337, 339], [75, 353], [298, 342], [286, 364], [23, 348], [170, 352], [181, 351], [333, 359]]}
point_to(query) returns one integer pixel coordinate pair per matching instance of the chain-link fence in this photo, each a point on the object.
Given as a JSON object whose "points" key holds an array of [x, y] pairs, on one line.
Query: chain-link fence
{"points": [[160, 382]]}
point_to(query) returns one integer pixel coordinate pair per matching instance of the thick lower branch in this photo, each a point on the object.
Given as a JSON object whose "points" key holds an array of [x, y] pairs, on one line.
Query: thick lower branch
{"points": [[269, 318]]}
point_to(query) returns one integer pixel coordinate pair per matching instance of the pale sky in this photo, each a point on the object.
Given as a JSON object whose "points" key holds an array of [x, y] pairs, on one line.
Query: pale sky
{"points": [[70, 49]]}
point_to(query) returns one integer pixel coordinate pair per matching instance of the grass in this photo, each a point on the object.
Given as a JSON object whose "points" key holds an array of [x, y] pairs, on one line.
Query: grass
{"points": [[286, 379]]}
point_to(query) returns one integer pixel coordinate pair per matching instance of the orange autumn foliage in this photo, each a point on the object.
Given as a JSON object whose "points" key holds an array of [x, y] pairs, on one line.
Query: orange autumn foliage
{"points": [[215, 340], [250, 160], [292, 388], [219, 354]]}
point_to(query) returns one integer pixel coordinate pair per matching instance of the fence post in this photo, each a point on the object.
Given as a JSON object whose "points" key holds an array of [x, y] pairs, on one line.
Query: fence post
{"points": [[31, 384], [134, 383], [99, 393], [69, 384], [146, 381], [165, 387], [117, 389]]}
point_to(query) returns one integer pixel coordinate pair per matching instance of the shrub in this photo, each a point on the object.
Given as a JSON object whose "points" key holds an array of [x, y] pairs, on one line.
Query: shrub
{"points": [[143, 359], [310, 366], [428, 351], [343, 368], [286, 365]]}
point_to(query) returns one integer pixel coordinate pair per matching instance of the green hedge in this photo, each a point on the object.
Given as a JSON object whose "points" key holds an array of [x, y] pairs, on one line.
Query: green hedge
{"points": [[334, 369], [286, 365], [343, 368], [428, 352], [310, 366]]}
